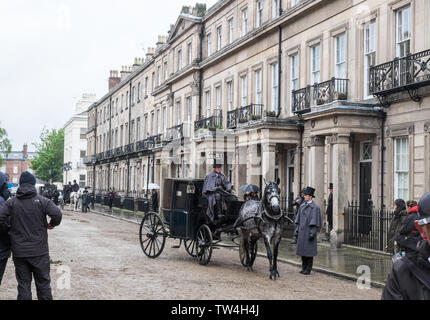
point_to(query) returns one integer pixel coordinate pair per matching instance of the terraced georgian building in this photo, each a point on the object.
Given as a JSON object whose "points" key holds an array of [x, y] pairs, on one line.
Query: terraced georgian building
{"points": [[312, 92]]}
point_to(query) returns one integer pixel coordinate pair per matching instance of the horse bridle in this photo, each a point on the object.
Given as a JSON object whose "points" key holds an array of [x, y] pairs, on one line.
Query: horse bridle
{"points": [[273, 194]]}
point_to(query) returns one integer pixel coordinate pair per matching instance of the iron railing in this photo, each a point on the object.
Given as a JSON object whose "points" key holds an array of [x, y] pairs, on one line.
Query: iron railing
{"points": [[100, 156], [318, 94], [89, 159], [142, 145], [109, 154], [244, 114], [400, 73], [366, 227], [118, 152], [211, 123], [174, 133], [129, 148]]}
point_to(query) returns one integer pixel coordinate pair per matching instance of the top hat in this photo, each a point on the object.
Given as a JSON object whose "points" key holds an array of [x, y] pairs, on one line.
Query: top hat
{"points": [[330, 186], [309, 191], [217, 163]]}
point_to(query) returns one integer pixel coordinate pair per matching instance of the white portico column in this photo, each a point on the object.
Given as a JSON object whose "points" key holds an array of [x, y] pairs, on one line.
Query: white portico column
{"points": [[253, 165], [316, 158], [268, 151], [342, 168]]}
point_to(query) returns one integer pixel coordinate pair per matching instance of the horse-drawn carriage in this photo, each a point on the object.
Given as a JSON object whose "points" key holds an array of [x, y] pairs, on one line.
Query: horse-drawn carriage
{"points": [[184, 217], [50, 191]]}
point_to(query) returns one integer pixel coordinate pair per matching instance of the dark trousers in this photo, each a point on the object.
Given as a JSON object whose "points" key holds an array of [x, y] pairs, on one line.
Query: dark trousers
{"points": [[3, 263], [307, 264], [37, 267]]}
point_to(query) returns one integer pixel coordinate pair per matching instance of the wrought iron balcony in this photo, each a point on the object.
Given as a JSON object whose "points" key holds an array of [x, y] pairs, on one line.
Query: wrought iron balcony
{"points": [[129, 148], [401, 74], [142, 145], [117, 152], [245, 114], [89, 159], [211, 123], [318, 94], [100, 156], [109, 154], [174, 133]]}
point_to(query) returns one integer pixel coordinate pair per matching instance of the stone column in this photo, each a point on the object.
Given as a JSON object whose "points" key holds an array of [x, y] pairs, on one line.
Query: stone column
{"points": [[268, 151], [316, 157], [253, 165], [342, 168]]}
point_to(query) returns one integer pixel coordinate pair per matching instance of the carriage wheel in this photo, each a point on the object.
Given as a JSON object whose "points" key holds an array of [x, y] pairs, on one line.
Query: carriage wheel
{"points": [[190, 247], [204, 245], [152, 235]]}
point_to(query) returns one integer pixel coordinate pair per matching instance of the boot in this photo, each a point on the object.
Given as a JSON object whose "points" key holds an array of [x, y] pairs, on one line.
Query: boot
{"points": [[309, 264], [303, 265]]}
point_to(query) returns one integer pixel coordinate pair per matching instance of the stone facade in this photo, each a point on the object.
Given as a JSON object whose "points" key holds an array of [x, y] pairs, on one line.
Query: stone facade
{"points": [[276, 89]]}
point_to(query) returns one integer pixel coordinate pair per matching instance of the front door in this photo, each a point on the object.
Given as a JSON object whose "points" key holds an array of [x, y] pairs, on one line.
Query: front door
{"points": [[365, 211]]}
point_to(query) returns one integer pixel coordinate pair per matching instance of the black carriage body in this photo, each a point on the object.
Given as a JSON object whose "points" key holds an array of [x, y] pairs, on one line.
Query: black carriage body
{"points": [[183, 205]]}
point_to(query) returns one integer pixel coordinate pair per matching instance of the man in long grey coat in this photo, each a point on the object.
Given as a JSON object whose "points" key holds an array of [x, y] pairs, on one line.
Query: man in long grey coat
{"points": [[214, 182], [308, 220]]}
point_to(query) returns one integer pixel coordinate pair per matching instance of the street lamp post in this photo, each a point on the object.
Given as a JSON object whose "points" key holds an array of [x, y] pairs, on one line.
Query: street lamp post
{"points": [[66, 167]]}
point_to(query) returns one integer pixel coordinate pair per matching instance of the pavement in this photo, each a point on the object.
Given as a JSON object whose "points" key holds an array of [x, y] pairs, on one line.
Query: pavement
{"points": [[346, 262]]}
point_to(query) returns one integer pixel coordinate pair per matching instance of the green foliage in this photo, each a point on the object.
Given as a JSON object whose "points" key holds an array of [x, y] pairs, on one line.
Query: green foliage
{"points": [[5, 144], [50, 155]]}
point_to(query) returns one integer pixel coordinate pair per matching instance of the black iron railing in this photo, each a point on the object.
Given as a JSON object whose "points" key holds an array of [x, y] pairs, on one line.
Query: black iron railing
{"points": [[400, 74], [366, 227], [89, 159], [211, 123], [318, 94], [109, 154], [118, 152], [142, 145], [174, 133], [100, 156], [245, 114], [129, 148]]}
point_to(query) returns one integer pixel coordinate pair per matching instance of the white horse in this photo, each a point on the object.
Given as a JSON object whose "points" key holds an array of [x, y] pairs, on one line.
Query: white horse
{"points": [[74, 200]]}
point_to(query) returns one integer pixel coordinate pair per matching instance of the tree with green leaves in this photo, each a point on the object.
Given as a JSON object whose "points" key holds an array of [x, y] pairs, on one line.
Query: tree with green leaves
{"points": [[5, 145], [48, 163]]}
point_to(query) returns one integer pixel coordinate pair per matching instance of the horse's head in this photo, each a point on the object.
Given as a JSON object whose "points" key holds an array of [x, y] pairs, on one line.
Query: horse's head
{"points": [[272, 195]]}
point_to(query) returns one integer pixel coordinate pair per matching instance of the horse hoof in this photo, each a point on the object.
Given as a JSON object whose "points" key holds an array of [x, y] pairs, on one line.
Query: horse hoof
{"points": [[272, 277]]}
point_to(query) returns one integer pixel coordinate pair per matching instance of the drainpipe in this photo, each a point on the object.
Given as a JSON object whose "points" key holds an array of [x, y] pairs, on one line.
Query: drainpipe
{"points": [[110, 138], [95, 154], [383, 116], [202, 32], [301, 127], [129, 139], [279, 63]]}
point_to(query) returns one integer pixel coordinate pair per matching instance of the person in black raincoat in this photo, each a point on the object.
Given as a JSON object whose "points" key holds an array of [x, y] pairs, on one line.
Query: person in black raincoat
{"points": [[309, 221], [215, 181], [397, 223], [85, 196], [154, 199], [330, 208], [27, 213], [410, 276], [5, 245], [408, 236]]}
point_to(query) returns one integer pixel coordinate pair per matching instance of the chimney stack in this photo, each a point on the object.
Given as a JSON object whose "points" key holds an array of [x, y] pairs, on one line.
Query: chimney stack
{"points": [[125, 71], [137, 63], [113, 79], [149, 53], [24, 151]]}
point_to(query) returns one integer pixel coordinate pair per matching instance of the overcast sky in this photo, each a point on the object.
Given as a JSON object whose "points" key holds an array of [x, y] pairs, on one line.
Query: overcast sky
{"points": [[53, 51]]}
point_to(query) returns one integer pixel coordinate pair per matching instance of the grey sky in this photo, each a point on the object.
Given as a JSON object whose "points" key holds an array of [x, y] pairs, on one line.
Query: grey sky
{"points": [[53, 51]]}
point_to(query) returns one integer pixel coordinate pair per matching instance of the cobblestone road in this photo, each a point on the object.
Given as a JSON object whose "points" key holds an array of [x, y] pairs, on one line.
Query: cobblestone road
{"points": [[106, 262]]}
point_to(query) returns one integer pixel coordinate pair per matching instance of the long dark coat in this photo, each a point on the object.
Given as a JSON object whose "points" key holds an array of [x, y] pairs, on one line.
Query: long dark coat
{"points": [[330, 210], [396, 224], [308, 220], [212, 181], [410, 276]]}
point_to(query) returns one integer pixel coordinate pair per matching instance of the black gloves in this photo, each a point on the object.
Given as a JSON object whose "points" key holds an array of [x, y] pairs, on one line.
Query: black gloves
{"points": [[312, 234]]}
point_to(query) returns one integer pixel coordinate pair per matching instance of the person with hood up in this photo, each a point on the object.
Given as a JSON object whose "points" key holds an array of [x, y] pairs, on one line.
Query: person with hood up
{"points": [[397, 222], [408, 236], [4, 236], [29, 236], [410, 277]]}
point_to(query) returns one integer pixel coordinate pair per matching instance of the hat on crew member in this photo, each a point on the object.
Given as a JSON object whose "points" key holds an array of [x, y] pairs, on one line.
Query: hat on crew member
{"points": [[217, 163], [27, 177], [424, 209]]}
